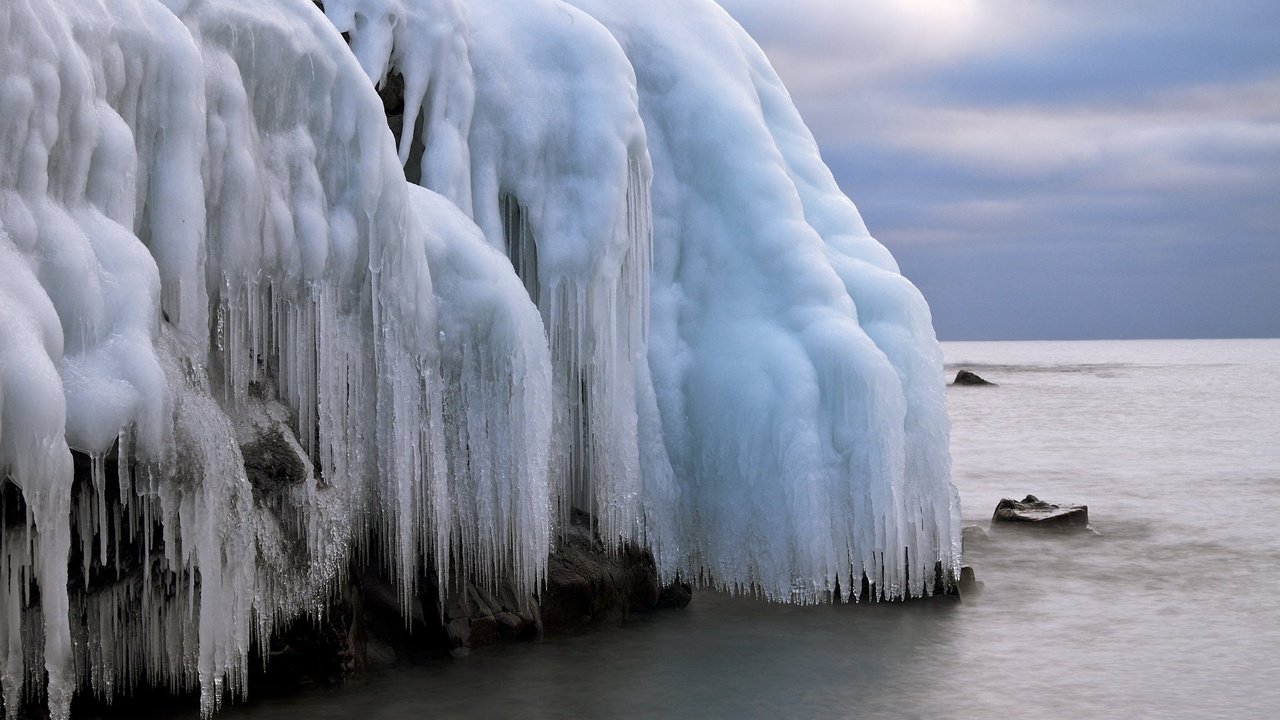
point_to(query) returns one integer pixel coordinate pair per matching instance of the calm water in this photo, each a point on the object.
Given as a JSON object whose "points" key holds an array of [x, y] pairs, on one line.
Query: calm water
{"points": [[1171, 612]]}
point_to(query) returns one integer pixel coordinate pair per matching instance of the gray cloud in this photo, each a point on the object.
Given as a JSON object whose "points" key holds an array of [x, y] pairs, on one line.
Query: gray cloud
{"points": [[1053, 169]]}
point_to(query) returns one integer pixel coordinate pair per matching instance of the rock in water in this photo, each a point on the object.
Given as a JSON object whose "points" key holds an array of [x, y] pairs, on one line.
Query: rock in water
{"points": [[587, 585], [965, 377], [972, 535], [1032, 512]]}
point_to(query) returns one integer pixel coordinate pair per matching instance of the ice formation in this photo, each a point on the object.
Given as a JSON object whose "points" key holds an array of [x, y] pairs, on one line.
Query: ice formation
{"points": [[797, 371], [626, 284], [559, 178]]}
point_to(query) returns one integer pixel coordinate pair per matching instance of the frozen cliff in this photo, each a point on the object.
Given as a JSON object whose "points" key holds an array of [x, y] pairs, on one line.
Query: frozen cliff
{"points": [[587, 257]]}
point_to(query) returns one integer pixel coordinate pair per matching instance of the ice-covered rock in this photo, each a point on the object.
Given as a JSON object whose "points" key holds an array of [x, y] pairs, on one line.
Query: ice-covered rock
{"points": [[201, 198], [791, 380], [535, 104], [627, 286], [797, 373]]}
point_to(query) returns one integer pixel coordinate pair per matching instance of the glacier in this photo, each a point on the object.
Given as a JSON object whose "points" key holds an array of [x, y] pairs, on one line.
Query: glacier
{"points": [[578, 256]]}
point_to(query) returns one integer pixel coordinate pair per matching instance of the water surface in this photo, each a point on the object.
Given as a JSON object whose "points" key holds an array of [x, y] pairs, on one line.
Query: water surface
{"points": [[1169, 612]]}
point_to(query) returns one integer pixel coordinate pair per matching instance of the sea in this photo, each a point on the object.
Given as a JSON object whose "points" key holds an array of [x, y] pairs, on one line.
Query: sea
{"points": [[1169, 609]]}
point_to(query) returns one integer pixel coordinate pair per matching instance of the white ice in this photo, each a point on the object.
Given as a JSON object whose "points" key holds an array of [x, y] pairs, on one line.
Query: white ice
{"points": [[627, 285], [798, 375], [199, 200]]}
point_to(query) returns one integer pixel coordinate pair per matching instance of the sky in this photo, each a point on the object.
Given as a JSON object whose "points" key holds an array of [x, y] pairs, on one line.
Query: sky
{"points": [[1053, 169]]}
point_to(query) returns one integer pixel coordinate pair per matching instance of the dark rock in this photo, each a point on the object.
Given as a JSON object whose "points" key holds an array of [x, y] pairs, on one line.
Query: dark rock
{"points": [[383, 600], [13, 508], [972, 535], [533, 618], [1032, 512], [391, 91], [484, 632], [480, 603], [275, 458], [390, 636], [676, 595], [457, 606], [945, 584], [459, 634], [379, 655], [964, 377], [506, 599], [968, 583], [513, 627], [321, 652], [587, 585]]}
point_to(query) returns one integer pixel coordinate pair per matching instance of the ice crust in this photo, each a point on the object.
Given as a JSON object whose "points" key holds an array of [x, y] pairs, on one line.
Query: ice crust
{"points": [[627, 285]]}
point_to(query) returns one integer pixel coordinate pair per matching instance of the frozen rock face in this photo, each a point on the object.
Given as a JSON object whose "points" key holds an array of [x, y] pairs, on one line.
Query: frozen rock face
{"points": [[628, 285], [789, 418], [798, 376], [200, 203], [535, 105]]}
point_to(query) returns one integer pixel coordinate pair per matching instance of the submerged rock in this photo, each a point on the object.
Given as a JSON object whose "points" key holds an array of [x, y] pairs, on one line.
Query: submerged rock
{"points": [[965, 377], [1032, 512]]}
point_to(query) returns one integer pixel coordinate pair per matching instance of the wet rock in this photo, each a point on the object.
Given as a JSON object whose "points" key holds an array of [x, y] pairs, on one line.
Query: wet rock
{"points": [[533, 618], [484, 632], [317, 652], [676, 595], [365, 627], [587, 585], [379, 654], [1032, 512], [273, 456], [390, 638], [513, 627], [968, 583], [457, 607], [965, 377], [459, 634], [381, 599], [480, 603], [946, 584], [972, 535]]}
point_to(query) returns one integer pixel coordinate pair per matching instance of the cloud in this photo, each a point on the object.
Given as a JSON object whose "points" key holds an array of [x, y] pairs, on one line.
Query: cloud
{"points": [[1203, 136], [821, 44], [1096, 154]]}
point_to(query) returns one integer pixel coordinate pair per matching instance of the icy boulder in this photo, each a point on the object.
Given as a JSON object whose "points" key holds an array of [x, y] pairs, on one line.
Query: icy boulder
{"points": [[779, 424], [795, 437], [534, 103], [200, 206], [628, 286], [797, 373]]}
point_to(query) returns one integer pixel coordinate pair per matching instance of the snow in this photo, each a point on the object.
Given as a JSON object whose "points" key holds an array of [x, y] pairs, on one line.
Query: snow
{"points": [[627, 285]]}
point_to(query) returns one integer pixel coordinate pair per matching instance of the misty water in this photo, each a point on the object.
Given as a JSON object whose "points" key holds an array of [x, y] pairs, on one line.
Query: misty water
{"points": [[1169, 611]]}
